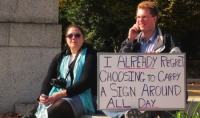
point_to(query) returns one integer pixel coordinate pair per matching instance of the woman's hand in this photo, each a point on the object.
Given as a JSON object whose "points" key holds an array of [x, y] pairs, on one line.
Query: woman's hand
{"points": [[43, 99], [52, 98]]}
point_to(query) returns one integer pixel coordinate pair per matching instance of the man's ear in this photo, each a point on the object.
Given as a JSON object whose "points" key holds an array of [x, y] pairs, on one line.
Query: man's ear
{"points": [[155, 18]]}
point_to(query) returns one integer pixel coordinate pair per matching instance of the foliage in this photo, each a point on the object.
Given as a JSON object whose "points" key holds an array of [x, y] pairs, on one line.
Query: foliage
{"points": [[63, 18], [185, 114], [102, 20], [179, 17], [192, 70], [107, 21]]}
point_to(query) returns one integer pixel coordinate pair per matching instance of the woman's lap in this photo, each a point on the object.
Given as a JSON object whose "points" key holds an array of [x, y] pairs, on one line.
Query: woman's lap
{"points": [[76, 105]]}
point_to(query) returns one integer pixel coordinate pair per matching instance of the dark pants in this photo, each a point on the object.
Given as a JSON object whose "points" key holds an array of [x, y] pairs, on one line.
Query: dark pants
{"points": [[135, 113], [163, 114]]}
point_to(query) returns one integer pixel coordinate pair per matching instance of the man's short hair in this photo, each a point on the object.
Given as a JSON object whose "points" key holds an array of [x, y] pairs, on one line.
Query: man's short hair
{"points": [[149, 5]]}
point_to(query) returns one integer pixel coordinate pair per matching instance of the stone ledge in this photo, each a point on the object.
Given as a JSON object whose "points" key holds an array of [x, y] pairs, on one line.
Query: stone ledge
{"points": [[29, 11], [30, 35], [95, 116], [23, 108], [35, 35], [193, 86]]}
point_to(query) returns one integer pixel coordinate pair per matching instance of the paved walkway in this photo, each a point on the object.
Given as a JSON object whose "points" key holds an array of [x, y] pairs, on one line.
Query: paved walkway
{"points": [[193, 92]]}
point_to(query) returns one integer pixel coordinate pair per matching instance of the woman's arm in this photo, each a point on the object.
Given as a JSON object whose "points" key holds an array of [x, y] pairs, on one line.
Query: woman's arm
{"points": [[88, 77], [51, 73]]}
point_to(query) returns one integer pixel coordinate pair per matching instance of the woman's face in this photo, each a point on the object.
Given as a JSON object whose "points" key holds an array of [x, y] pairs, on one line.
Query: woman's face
{"points": [[74, 38]]}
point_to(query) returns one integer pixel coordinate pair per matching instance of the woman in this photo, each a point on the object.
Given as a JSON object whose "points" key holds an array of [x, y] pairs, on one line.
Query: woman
{"points": [[77, 66]]}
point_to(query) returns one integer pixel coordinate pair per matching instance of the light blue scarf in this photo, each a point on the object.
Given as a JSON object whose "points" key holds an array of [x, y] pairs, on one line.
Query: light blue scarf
{"points": [[86, 96]]}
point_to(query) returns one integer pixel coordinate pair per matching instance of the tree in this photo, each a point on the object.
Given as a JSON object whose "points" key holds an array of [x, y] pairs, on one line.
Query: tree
{"points": [[102, 19], [107, 21], [63, 19], [180, 18]]}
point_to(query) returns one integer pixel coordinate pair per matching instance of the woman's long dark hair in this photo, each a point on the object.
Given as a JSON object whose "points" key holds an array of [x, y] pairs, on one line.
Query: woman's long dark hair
{"points": [[65, 47]]}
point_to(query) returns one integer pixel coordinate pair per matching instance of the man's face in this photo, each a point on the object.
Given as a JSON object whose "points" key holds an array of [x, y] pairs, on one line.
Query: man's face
{"points": [[145, 20]]}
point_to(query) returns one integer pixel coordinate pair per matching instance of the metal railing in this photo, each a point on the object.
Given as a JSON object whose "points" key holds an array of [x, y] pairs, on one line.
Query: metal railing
{"points": [[193, 80]]}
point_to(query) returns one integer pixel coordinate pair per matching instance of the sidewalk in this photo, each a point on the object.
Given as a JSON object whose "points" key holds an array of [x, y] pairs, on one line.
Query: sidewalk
{"points": [[193, 95], [193, 92]]}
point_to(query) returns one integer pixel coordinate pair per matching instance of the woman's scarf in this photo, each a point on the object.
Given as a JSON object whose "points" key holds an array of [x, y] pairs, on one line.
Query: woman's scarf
{"points": [[86, 96]]}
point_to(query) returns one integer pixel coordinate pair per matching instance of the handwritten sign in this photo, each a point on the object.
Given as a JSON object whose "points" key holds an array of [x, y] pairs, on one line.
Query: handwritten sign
{"points": [[142, 81]]}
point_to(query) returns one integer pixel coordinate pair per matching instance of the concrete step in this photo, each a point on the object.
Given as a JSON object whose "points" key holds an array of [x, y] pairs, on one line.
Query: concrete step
{"points": [[95, 116], [193, 86], [193, 91], [23, 108], [99, 114]]}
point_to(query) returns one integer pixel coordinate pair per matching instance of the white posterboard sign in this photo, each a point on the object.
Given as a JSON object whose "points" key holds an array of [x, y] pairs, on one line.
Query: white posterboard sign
{"points": [[142, 81]]}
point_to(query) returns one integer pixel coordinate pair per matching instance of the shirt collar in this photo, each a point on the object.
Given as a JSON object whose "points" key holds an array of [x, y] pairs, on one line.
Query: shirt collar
{"points": [[152, 38]]}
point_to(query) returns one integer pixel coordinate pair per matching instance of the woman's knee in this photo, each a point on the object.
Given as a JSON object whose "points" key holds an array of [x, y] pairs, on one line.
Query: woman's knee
{"points": [[61, 105], [60, 102], [60, 108]]}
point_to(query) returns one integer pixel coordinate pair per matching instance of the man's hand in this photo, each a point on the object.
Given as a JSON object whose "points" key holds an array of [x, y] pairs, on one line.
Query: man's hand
{"points": [[133, 32]]}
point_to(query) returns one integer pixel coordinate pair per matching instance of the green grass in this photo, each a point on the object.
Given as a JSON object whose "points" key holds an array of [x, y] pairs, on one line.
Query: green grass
{"points": [[185, 114]]}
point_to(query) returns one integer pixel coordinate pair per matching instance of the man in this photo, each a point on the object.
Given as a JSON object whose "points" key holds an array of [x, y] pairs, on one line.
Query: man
{"points": [[145, 37]]}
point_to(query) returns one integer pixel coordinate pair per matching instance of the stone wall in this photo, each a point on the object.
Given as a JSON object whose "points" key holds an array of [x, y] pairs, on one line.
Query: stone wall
{"points": [[30, 36]]}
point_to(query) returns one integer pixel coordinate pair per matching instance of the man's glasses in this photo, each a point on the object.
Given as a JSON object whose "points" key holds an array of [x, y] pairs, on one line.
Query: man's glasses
{"points": [[75, 35], [142, 17]]}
